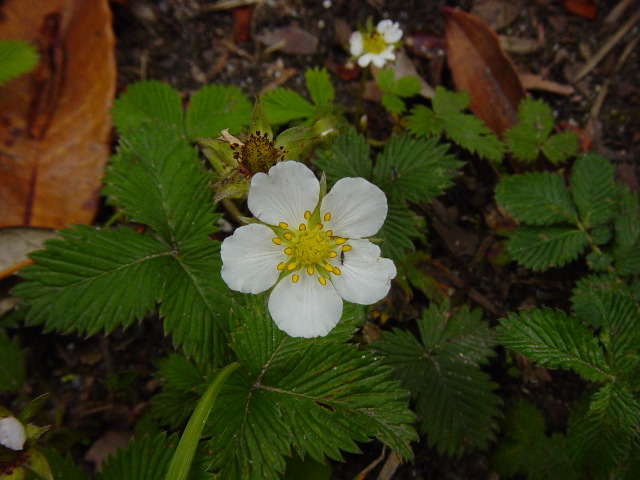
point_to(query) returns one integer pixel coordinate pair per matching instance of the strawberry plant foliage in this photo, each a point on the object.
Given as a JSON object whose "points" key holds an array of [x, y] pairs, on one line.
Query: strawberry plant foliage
{"points": [[441, 369]]}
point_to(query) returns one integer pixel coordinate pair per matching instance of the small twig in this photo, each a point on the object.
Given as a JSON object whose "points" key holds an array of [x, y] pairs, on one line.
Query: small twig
{"points": [[372, 465], [229, 4], [608, 45], [617, 11], [389, 467]]}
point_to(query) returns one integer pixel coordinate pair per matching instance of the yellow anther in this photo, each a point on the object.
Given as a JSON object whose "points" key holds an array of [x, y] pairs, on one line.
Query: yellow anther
{"points": [[294, 278], [276, 240], [319, 226], [322, 280], [346, 248], [288, 250], [329, 233], [340, 241], [333, 254], [310, 270], [283, 225], [281, 266], [302, 227], [327, 217], [291, 266], [288, 236], [307, 215], [328, 268], [336, 271]]}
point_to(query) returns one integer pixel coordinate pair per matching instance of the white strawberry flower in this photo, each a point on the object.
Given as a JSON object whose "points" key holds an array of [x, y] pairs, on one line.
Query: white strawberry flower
{"points": [[12, 433], [312, 248], [376, 45]]}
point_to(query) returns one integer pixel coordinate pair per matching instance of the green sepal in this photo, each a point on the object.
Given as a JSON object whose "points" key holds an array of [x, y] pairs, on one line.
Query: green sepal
{"points": [[259, 121], [293, 141]]}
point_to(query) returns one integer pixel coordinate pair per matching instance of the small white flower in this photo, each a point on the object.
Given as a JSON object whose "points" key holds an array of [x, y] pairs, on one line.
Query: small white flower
{"points": [[376, 46], [12, 433], [312, 249]]}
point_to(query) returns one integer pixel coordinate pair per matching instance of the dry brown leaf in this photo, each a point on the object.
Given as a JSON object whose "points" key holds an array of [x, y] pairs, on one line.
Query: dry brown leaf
{"points": [[54, 122], [17, 243], [480, 66], [290, 39], [497, 13]]}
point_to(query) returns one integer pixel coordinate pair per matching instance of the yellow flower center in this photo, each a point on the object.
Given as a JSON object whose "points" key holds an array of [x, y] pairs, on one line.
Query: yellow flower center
{"points": [[374, 43], [310, 248]]}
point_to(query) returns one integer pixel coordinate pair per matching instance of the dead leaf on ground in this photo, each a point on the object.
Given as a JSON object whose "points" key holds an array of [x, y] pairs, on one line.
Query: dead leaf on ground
{"points": [[17, 243], [497, 13], [480, 66], [54, 122], [290, 39]]}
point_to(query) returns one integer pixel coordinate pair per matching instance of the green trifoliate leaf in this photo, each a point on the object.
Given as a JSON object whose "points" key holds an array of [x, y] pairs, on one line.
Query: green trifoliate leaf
{"points": [[214, 108], [537, 198], [149, 102], [319, 396], [385, 79], [148, 458], [400, 228], [592, 189], [94, 280], [62, 468], [560, 147], [319, 87], [415, 169], [12, 366], [393, 103], [535, 122], [16, 57], [283, 105], [422, 121], [406, 86], [441, 370], [348, 157], [539, 248], [445, 101], [555, 340]]}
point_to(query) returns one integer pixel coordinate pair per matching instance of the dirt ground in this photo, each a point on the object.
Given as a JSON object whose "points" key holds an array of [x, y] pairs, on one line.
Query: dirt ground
{"points": [[187, 43]]}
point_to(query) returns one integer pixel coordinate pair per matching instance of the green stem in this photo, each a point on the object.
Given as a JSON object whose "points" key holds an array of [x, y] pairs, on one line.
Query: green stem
{"points": [[183, 456]]}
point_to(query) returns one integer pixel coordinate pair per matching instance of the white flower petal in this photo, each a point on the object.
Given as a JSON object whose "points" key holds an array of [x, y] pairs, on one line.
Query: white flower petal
{"points": [[379, 60], [365, 276], [13, 434], [389, 31], [358, 208], [249, 259], [365, 60], [284, 194], [356, 43], [306, 308]]}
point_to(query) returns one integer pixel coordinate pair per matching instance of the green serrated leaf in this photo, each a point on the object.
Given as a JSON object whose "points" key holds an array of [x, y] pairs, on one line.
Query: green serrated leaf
{"points": [[283, 105], [555, 340], [535, 122], [148, 458], [12, 365], [592, 189], [441, 372], [62, 468], [445, 102], [627, 232], [179, 373], [414, 169], [385, 79], [16, 57], [93, 280], [148, 102], [348, 157], [319, 86], [216, 107], [392, 103], [422, 121], [540, 248], [400, 229], [319, 396], [559, 148], [586, 295], [472, 134], [406, 86], [537, 198]]}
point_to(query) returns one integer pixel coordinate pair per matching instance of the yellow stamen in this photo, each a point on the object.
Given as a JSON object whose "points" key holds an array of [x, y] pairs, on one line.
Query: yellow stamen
{"points": [[281, 266], [307, 215], [340, 241], [294, 278], [310, 270], [291, 266], [319, 226], [277, 241], [329, 233], [336, 271], [328, 268], [288, 236], [327, 217], [283, 225], [302, 227], [346, 248], [288, 250], [322, 280], [333, 254]]}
